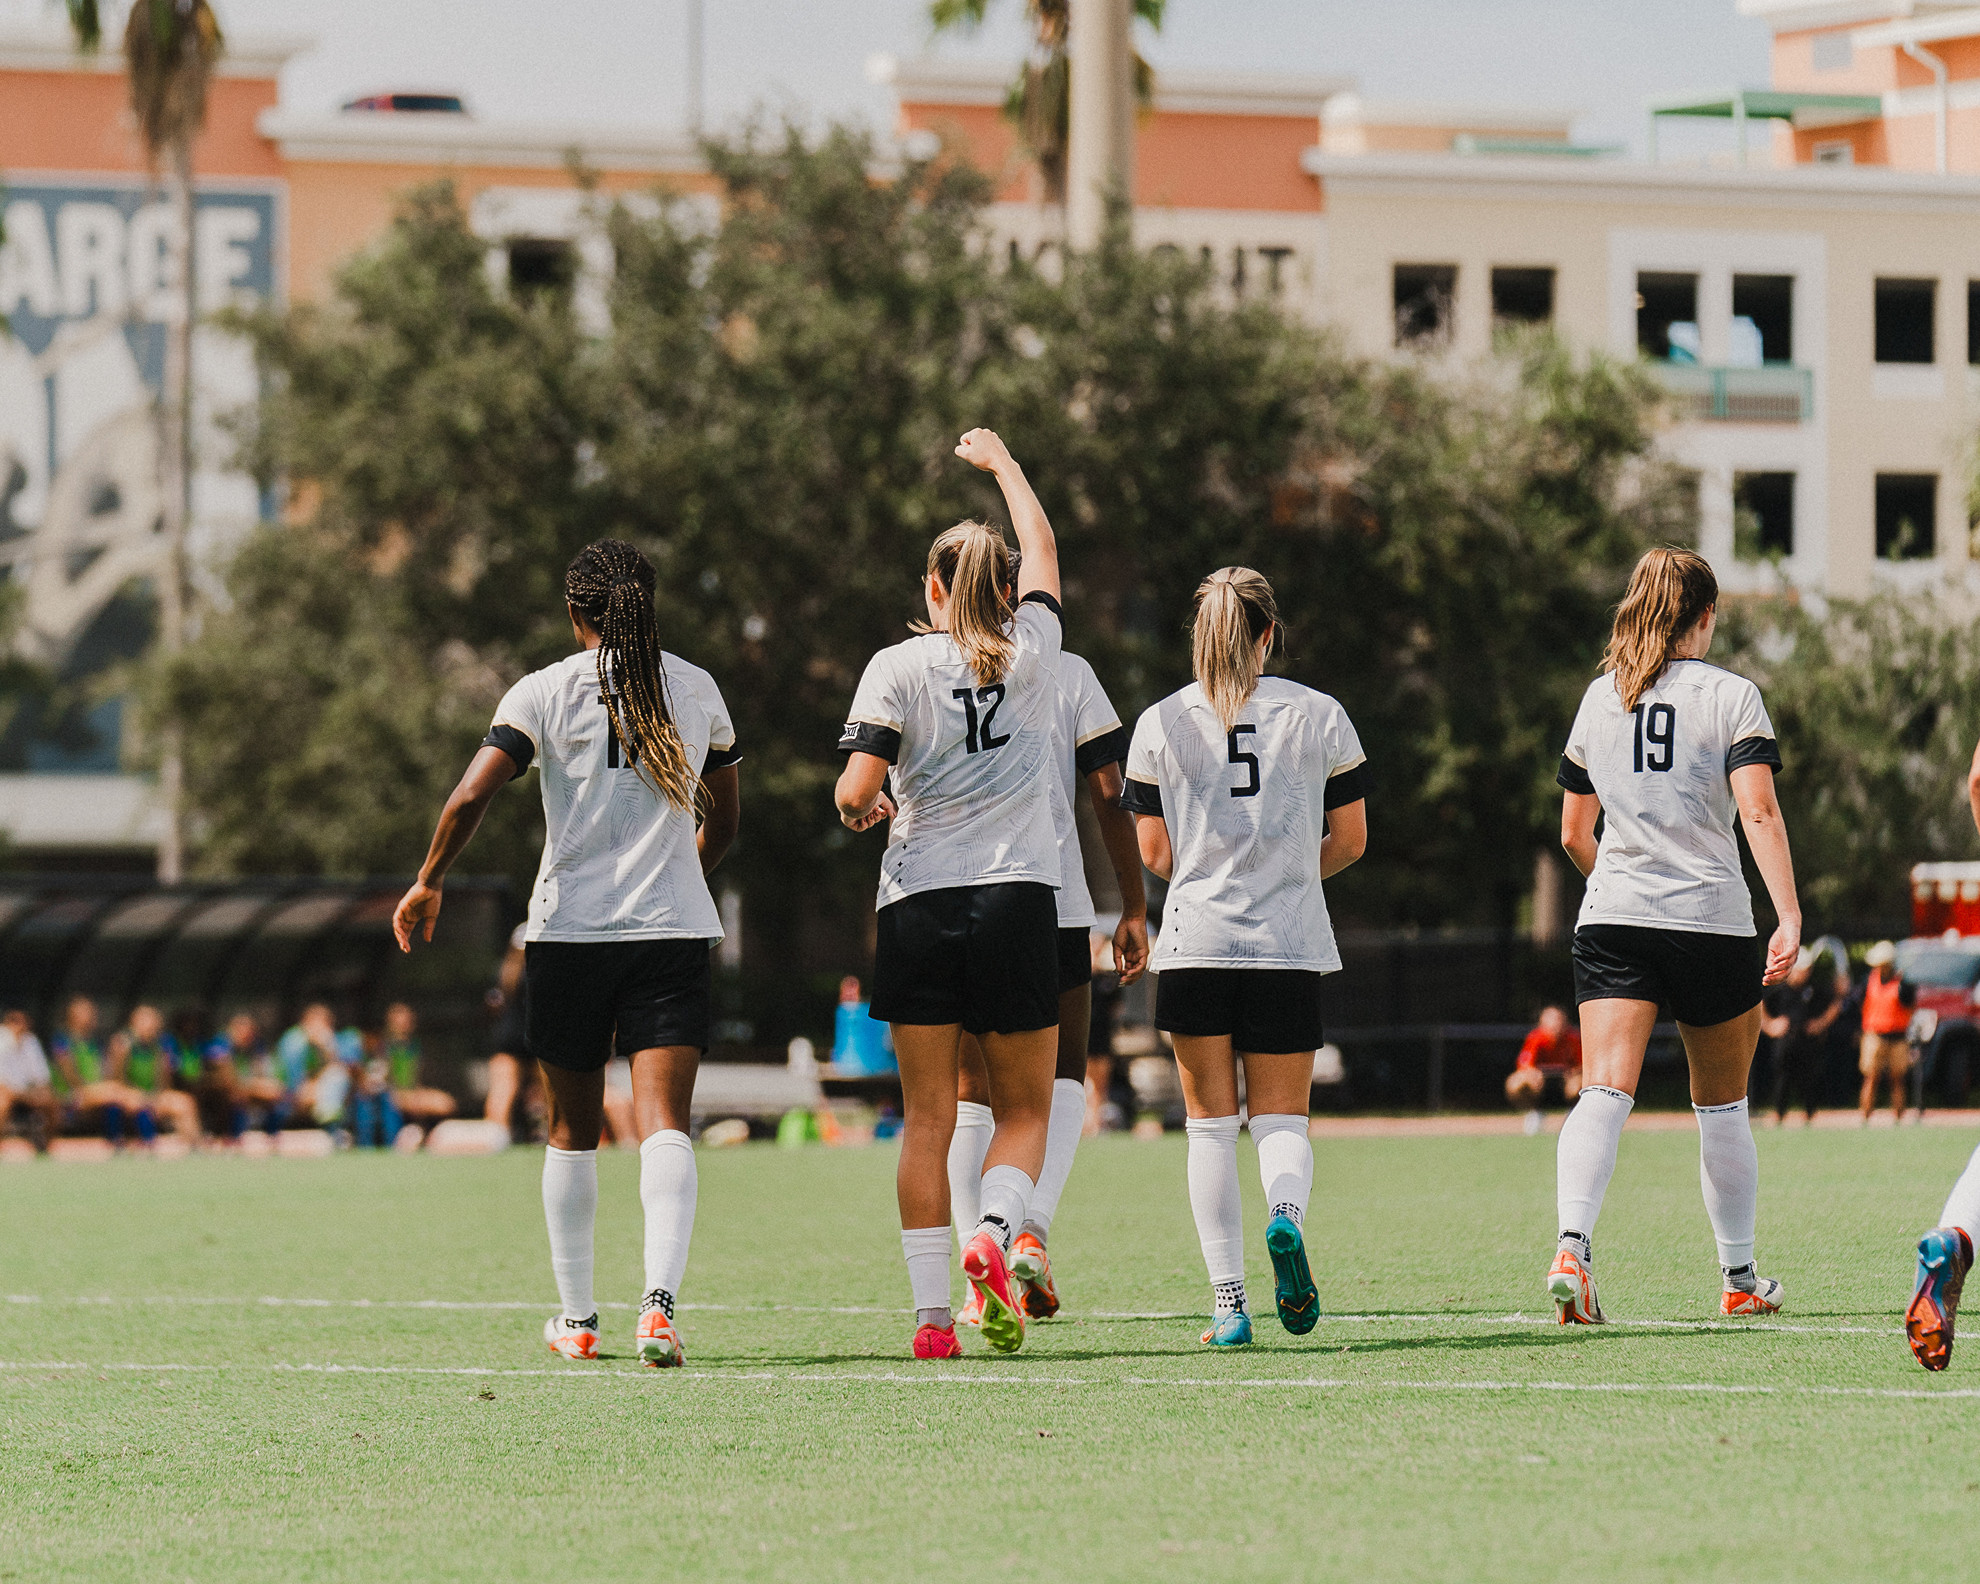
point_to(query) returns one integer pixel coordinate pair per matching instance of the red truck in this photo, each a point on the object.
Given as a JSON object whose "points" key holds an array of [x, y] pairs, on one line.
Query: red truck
{"points": [[1942, 958]]}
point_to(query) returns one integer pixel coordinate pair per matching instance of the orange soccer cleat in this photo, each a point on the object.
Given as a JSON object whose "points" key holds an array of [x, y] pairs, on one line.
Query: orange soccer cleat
{"points": [[972, 1310], [1033, 1269], [656, 1341], [1765, 1299], [573, 1339], [990, 1278], [1571, 1284]]}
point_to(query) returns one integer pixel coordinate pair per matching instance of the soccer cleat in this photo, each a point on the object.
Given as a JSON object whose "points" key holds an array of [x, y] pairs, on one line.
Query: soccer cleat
{"points": [[1232, 1329], [990, 1278], [1945, 1255], [656, 1341], [972, 1310], [1571, 1284], [574, 1339], [937, 1342], [1033, 1269], [1299, 1299], [1765, 1299]]}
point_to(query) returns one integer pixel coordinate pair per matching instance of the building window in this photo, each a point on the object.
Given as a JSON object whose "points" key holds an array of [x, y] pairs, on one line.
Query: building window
{"points": [[1522, 296], [1763, 516], [1766, 302], [1425, 294], [1907, 516], [1837, 151], [541, 264], [1667, 316], [1904, 320], [1973, 321]]}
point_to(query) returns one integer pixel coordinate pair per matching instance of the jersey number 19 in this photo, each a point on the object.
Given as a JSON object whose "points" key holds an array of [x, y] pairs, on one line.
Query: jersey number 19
{"points": [[1657, 726]]}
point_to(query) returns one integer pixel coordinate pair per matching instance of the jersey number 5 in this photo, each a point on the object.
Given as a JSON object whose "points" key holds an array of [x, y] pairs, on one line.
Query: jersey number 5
{"points": [[1248, 760], [1658, 726], [980, 734]]}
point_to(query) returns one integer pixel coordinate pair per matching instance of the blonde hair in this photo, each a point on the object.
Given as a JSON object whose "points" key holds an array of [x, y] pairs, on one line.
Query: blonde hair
{"points": [[1234, 609], [1670, 590], [972, 561]]}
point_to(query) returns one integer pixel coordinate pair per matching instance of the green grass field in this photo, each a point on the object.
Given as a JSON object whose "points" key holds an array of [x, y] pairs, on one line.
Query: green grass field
{"points": [[162, 1420]]}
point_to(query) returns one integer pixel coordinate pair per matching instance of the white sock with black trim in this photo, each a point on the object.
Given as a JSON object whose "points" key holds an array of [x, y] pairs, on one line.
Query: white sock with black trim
{"points": [[1729, 1173], [1006, 1200], [926, 1250], [1585, 1157], [570, 1210], [1285, 1163], [1217, 1204], [1061, 1145], [667, 1185], [971, 1142]]}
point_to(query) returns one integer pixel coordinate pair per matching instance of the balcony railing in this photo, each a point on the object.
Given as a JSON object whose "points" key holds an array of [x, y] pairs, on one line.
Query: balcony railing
{"points": [[1774, 393]]}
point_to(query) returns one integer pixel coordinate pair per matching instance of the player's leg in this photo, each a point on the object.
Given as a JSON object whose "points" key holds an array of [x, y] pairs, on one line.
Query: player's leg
{"points": [[1523, 1087], [1721, 1058], [1897, 1056], [927, 1056], [1029, 1260], [1615, 1032], [968, 1146], [1866, 1064], [1278, 1031], [505, 1074], [1945, 1255], [662, 1093], [1208, 1070]]}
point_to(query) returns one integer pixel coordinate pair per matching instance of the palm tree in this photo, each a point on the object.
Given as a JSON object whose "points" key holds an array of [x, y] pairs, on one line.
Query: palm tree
{"points": [[1038, 102], [171, 48]]}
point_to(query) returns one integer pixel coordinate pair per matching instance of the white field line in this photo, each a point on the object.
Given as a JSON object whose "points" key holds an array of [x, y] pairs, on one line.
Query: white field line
{"points": [[544, 1306], [896, 1378]]}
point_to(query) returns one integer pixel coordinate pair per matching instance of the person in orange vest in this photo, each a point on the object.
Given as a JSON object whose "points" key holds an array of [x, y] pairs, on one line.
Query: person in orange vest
{"points": [[1887, 1003]]}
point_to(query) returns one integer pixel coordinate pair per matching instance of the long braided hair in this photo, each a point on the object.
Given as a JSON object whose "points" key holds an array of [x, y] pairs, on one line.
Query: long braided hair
{"points": [[611, 586]]}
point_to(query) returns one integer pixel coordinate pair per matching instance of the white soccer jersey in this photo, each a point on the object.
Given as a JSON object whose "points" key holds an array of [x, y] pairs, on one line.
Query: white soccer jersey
{"points": [[619, 860], [1668, 858], [1246, 811], [1087, 734], [974, 766]]}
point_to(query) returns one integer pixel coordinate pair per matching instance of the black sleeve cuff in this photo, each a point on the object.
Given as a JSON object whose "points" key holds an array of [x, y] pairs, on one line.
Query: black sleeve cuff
{"points": [[1752, 751], [1040, 597], [883, 742], [1108, 748], [514, 743], [1142, 797], [1350, 786], [1574, 778], [721, 758]]}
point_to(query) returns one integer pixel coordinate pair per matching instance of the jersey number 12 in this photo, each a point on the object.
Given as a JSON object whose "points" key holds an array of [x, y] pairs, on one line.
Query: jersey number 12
{"points": [[1657, 726], [980, 734]]}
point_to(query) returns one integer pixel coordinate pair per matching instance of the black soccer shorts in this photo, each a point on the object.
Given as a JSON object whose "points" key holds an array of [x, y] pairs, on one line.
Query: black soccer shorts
{"points": [[1703, 979], [984, 956], [587, 996]]}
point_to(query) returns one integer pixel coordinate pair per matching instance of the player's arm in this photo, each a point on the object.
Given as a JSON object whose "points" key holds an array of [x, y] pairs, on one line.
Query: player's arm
{"points": [[1039, 572], [1579, 812], [862, 791], [1123, 851], [723, 816], [487, 773], [1151, 834], [1346, 838], [1766, 836]]}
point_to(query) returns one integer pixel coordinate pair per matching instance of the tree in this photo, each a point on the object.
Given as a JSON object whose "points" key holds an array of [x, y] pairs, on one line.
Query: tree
{"points": [[171, 48], [1039, 100]]}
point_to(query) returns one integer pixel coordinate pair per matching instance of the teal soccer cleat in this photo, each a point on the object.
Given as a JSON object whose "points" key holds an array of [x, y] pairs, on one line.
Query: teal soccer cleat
{"points": [[1299, 1299], [1229, 1330]]}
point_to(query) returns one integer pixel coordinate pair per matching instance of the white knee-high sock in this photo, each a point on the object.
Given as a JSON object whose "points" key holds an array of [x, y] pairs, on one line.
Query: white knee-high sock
{"points": [[974, 1125], [1285, 1163], [1963, 1203], [927, 1252], [666, 1192], [1729, 1172], [1585, 1159], [570, 1209], [1006, 1198], [1218, 1206], [1061, 1144]]}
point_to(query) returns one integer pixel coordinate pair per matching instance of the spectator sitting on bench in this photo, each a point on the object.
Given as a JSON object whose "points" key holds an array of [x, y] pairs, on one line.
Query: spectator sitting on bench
{"points": [[25, 1082], [370, 1112], [416, 1102], [1550, 1058], [237, 1065], [312, 1065], [88, 1094], [146, 1058]]}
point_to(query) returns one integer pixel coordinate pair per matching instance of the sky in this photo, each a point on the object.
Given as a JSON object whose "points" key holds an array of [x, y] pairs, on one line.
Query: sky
{"points": [[623, 62]]}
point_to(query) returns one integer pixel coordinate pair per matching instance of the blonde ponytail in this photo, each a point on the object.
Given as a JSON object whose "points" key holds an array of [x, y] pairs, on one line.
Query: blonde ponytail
{"points": [[972, 561], [1669, 591], [1234, 609]]}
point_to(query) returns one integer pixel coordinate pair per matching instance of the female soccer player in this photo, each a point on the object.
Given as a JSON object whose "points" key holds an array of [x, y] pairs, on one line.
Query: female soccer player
{"points": [[636, 750], [1249, 791], [1666, 746], [968, 930], [1088, 742]]}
